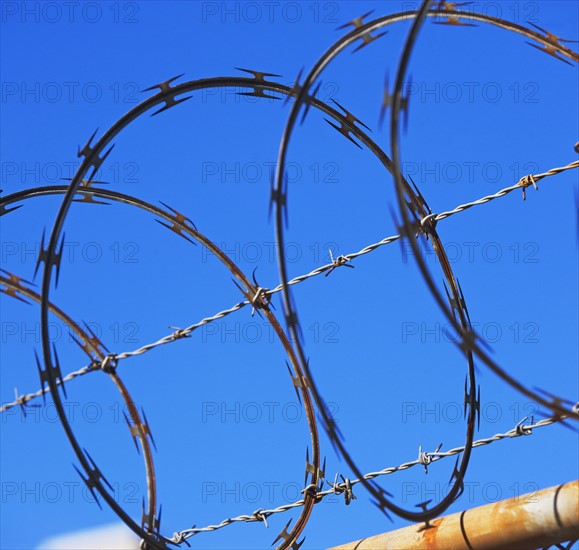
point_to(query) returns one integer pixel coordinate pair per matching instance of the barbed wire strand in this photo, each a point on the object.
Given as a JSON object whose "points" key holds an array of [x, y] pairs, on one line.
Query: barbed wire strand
{"points": [[523, 183], [424, 459]]}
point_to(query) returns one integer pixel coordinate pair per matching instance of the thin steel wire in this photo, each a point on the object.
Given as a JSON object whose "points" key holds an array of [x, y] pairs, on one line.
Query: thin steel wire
{"points": [[95, 155], [425, 459], [179, 334]]}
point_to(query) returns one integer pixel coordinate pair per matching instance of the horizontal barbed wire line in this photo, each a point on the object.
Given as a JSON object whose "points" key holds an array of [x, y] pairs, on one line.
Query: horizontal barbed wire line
{"points": [[424, 459], [523, 183], [21, 400]]}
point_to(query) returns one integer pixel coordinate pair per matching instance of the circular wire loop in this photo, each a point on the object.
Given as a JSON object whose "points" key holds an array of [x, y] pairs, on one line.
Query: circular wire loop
{"points": [[109, 364]]}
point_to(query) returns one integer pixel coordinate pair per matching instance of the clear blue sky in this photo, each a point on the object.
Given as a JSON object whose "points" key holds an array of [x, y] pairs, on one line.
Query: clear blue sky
{"points": [[485, 110]]}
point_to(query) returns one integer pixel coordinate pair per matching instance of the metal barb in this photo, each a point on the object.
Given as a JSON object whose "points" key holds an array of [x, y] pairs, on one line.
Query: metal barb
{"points": [[134, 431], [171, 102], [296, 90], [452, 18], [4, 210], [22, 402], [44, 374], [258, 76], [163, 86], [366, 37], [260, 515], [278, 196], [43, 257], [91, 344], [448, 6], [87, 149], [426, 458], [524, 182], [553, 37], [356, 23], [310, 469], [298, 382], [85, 196], [147, 429], [93, 477], [285, 536], [424, 505], [338, 262], [475, 401], [521, 429], [165, 89], [89, 484], [86, 183], [344, 487], [388, 99], [179, 223], [257, 297], [343, 129], [13, 285], [550, 50]]}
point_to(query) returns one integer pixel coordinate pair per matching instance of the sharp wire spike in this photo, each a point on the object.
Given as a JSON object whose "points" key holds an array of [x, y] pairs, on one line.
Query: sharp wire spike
{"points": [[87, 149], [296, 382], [258, 76], [344, 131], [178, 223], [163, 86], [127, 420], [89, 485], [4, 210], [308, 102], [452, 18], [147, 428], [366, 38], [552, 49], [171, 102], [356, 23]]}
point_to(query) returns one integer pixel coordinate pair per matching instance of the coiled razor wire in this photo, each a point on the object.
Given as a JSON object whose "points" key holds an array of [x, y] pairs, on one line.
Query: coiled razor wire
{"points": [[417, 220], [411, 204], [14, 285]]}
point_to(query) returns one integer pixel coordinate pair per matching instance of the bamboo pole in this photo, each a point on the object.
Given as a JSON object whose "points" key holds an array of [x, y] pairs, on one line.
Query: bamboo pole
{"points": [[534, 520]]}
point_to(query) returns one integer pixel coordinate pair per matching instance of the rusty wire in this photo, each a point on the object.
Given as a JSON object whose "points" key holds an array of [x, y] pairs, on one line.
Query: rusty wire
{"points": [[100, 357], [345, 487], [417, 220], [185, 332], [411, 204], [183, 227]]}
